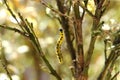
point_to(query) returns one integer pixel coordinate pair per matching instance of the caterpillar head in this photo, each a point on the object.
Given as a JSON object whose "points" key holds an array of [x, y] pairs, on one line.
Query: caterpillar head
{"points": [[61, 30]]}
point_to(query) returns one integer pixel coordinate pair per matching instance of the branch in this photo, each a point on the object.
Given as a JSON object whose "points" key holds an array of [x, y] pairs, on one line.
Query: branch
{"points": [[79, 40], [95, 26], [85, 2], [66, 27], [29, 32], [11, 12], [85, 9], [15, 30], [56, 11], [36, 44], [114, 54], [105, 50], [4, 64], [115, 75]]}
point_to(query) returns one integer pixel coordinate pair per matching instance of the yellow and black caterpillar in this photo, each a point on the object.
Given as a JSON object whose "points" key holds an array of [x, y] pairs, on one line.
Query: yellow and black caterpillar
{"points": [[58, 46]]}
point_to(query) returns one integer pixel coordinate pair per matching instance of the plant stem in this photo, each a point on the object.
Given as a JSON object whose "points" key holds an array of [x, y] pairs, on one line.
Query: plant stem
{"points": [[65, 25], [79, 41]]}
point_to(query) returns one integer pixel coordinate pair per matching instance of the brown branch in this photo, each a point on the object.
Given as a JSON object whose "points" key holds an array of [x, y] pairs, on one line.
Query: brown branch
{"points": [[79, 41], [66, 27]]}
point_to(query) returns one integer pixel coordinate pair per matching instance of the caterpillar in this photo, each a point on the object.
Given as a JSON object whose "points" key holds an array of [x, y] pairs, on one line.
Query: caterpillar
{"points": [[58, 46]]}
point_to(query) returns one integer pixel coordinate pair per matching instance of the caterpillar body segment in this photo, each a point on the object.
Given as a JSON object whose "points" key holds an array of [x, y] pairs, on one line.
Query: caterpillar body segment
{"points": [[58, 46]]}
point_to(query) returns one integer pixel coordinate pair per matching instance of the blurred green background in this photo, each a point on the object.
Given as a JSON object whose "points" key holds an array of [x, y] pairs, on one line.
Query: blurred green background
{"points": [[19, 52]]}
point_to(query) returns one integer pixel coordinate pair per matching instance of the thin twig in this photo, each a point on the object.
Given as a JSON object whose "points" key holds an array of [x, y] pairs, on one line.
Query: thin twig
{"points": [[15, 30], [85, 8], [2, 60], [11, 12], [85, 2], [56, 11], [5, 68], [115, 75], [114, 54], [105, 50]]}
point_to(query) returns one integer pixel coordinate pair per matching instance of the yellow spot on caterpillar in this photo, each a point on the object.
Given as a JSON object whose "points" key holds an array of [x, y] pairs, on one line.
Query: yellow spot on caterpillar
{"points": [[58, 46]]}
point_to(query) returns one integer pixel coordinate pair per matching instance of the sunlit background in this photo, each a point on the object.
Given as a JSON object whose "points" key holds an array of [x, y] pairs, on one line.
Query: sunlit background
{"points": [[19, 52]]}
